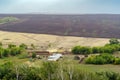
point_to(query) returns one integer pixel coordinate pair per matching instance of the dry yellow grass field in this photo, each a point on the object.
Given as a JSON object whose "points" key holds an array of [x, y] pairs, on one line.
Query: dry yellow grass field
{"points": [[50, 41]]}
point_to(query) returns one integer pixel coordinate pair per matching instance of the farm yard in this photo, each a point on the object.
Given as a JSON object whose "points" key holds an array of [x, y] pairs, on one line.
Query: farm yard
{"points": [[66, 60], [26, 64]]}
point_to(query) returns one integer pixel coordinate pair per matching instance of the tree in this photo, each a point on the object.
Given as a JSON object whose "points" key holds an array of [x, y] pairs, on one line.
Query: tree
{"points": [[33, 55], [95, 50], [23, 46], [1, 52], [81, 50], [49, 70], [1, 44], [114, 41], [11, 45], [6, 52], [33, 46], [100, 59]]}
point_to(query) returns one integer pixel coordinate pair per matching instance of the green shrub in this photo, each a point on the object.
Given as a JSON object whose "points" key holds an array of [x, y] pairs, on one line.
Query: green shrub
{"points": [[1, 44], [117, 61], [95, 50], [1, 52], [33, 55], [11, 45], [81, 50], [6, 52], [114, 41], [12, 50], [49, 70], [23, 46], [100, 59], [95, 60], [108, 48]]}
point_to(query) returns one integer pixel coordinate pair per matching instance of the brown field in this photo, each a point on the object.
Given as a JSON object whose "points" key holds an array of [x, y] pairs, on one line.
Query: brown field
{"points": [[50, 41], [100, 25]]}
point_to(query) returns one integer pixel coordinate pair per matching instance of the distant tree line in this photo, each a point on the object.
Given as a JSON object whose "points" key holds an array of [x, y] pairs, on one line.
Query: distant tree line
{"points": [[112, 47]]}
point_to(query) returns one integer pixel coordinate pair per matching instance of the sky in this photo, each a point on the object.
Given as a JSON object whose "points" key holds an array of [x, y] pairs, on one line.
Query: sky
{"points": [[61, 6]]}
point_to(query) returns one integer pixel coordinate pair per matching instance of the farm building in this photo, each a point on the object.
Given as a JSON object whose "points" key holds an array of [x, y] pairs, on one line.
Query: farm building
{"points": [[39, 53]]}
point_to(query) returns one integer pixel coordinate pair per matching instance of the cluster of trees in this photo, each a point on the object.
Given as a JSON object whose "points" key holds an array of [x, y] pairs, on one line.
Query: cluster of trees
{"points": [[102, 59], [52, 71], [81, 50], [112, 47], [11, 50]]}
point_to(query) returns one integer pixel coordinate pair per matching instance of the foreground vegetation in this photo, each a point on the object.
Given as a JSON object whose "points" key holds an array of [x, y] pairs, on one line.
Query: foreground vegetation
{"points": [[52, 71], [65, 69]]}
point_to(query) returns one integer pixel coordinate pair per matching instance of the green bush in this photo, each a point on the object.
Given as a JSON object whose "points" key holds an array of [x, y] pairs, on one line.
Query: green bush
{"points": [[12, 50], [95, 50], [33, 55], [81, 50], [95, 60], [114, 41], [108, 48], [100, 59], [1, 52], [11, 45], [1, 44], [23, 46], [117, 61], [6, 53]]}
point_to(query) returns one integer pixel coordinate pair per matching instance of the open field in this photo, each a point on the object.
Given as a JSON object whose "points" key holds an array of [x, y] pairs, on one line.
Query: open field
{"points": [[99, 25], [50, 41]]}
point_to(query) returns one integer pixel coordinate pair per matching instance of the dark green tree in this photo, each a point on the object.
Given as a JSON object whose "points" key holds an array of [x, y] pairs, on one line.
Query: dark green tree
{"points": [[1, 44], [81, 50], [11, 45], [114, 41], [33, 55], [23, 46]]}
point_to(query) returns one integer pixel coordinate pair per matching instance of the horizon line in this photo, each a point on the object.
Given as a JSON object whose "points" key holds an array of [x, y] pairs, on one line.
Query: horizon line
{"points": [[66, 13]]}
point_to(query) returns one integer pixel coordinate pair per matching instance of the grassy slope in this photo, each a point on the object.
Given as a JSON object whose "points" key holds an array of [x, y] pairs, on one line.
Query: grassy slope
{"points": [[14, 59], [56, 42], [7, 20]]}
